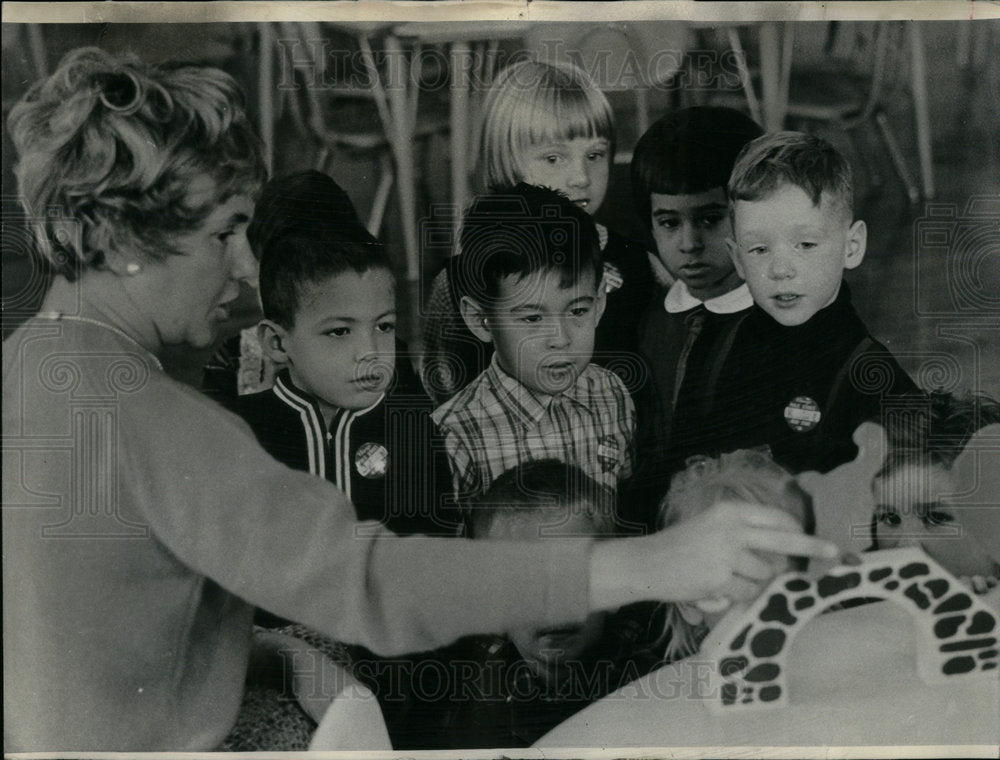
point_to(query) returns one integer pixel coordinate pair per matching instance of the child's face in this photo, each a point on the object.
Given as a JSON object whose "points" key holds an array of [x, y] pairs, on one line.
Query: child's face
{"points": [[578, 167], [544, 648], [911, 511], [691, 233], [342, 347], [543, 333], [792, 253]]}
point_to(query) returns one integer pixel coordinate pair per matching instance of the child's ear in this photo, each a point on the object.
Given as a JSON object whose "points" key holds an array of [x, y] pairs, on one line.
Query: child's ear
{"points": [[857, 243], [601, 300], [476, 319], [737, 264], [272, 341]]}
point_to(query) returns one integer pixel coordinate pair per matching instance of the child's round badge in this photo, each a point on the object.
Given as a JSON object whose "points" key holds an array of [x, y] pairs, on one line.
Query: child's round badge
{"points": [[371, 460], [802, 414]]}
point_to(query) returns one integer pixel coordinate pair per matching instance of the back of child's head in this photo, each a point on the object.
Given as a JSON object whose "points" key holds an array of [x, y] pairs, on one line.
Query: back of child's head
{"points": [[521, 230], [304, 231], [532, 102], [687, 152], [544, 493], [748, 475], [792, 158], [931, 430]]}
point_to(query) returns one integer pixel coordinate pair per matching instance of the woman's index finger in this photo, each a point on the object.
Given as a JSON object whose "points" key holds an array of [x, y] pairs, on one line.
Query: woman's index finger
{"points": [[794, 544]]}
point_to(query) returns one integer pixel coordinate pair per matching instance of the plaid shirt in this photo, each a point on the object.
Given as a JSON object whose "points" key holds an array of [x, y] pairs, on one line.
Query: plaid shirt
{"points": [[496, 423]]}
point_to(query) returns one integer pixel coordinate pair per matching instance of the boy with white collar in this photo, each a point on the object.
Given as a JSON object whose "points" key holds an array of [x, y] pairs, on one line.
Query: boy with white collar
{"points": [[679, 172]]}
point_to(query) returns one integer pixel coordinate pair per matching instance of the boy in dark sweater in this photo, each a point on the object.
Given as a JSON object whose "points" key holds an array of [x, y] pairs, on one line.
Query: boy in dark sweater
{"points": [[804, 372], [338, 407]]}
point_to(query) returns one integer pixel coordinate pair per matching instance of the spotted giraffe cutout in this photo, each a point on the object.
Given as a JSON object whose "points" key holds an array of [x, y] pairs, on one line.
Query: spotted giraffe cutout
{"points": [[957, 633]]}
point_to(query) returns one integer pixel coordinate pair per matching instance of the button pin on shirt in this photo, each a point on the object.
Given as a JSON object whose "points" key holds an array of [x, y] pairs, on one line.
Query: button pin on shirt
{"points": [[802, 414]]}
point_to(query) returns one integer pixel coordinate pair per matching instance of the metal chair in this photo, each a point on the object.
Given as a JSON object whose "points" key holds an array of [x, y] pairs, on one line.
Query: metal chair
{"points": [[851, 85], [341, 115]]}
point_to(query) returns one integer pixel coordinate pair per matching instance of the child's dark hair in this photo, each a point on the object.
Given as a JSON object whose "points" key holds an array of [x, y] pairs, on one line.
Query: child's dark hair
{"points": [[521, 230], [544, 488], [933, 429], [305, 230], [806, 161], [688, 151]]}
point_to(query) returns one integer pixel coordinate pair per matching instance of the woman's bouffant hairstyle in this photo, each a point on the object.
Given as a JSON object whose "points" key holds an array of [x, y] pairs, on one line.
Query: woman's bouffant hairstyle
{"points": [[532, 102], [108, 148]]}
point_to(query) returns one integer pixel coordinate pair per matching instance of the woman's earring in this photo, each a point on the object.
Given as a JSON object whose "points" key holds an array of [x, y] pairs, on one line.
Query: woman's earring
{"points": [[132, 268]]}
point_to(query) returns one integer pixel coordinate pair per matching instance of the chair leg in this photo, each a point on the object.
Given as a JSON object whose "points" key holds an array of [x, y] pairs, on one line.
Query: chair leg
{"points": [[862, 150], [898, 160], [381, 199]]}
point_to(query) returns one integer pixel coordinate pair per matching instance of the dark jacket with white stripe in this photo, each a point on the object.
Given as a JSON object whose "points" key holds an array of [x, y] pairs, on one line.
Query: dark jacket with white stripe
{"points": [[386, 458]]}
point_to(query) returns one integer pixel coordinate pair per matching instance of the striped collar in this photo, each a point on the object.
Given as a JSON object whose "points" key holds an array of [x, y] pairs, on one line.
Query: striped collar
{"points": [[317, 435]]}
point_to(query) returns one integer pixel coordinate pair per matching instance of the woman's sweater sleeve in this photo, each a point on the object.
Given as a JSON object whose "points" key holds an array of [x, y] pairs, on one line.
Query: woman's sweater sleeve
{"points": [[287, 541]]}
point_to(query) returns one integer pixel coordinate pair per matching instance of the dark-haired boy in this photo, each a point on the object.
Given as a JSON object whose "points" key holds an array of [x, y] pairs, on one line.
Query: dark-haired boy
{"points": [[509, 690], [338, 408], [680, 167], [805, 372], [529, 283]]}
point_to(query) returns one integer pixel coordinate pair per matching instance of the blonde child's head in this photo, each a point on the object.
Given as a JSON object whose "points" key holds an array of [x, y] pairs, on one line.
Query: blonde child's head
{"points": [[794, 233], [747, 475], [548, 124]]}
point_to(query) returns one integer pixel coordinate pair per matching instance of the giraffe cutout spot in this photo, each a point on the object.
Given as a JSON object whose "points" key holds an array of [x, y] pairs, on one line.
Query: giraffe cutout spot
{"points": [[937, 587], [918, 596], [777, 610], [956, 603], [956, 638], [945, 628], [981, 623]]}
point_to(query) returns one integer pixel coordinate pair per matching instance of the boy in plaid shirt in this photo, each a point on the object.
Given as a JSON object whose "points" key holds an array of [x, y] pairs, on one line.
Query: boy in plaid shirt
{"points": [[531, 282]]}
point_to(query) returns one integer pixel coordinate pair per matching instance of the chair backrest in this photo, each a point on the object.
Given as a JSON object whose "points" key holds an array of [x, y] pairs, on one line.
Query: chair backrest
{"points": [[873, 50]]}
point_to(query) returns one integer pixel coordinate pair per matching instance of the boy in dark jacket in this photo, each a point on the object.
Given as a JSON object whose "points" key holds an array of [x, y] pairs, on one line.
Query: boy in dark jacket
{"points": [[338, 408], [804, 371]]}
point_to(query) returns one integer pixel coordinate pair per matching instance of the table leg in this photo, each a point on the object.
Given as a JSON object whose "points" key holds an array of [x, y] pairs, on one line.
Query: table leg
{"points": [[265, 92], [461, 59], [770, 76], [918, 74], [402, 148]]}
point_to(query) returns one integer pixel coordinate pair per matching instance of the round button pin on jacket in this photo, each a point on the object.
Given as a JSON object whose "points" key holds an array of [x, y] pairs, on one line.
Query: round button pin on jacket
{"points": [[802, 414], [371, 460]]}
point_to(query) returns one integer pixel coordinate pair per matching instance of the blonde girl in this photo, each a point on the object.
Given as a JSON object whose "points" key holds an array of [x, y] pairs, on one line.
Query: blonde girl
{"points": [[546, 124]]}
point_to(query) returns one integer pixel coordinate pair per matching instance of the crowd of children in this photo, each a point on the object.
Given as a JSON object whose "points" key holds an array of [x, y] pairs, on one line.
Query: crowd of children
{"points": [[580, 385], [573, 386]]}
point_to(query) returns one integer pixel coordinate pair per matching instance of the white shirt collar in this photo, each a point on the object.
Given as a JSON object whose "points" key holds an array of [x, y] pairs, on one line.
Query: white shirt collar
{"points": [[679, 299]]}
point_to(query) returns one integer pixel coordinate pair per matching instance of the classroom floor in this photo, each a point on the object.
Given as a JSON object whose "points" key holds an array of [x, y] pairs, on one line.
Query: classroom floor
{"points": [[928, 287]]}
